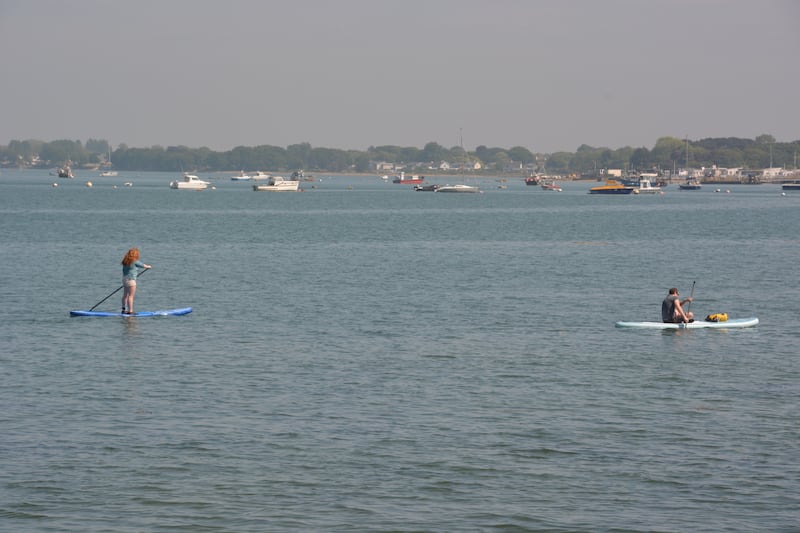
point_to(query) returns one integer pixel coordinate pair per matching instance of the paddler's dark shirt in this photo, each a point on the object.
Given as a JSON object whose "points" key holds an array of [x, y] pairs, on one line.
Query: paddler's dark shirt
{"points": [[668, 308]]}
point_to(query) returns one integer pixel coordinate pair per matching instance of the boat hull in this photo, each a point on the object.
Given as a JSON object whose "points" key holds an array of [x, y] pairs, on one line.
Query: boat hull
{"points": [[622, 190], [187, 186], [458, 189], [402, 179], [691, 184], [286, 186]]}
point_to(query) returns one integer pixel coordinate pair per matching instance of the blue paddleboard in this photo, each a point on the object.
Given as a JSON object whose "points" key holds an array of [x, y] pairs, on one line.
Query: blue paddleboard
{"points": [[166, 312]]}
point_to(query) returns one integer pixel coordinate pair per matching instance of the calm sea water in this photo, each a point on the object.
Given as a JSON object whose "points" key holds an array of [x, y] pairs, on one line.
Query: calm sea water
{"points": [[363, 357]]}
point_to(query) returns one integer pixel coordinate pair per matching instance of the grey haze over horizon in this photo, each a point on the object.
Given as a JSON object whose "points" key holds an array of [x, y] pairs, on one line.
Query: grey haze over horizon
{"points": [[549, 75]]}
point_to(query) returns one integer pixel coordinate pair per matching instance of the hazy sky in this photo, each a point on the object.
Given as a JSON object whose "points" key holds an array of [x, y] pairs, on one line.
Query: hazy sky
{"points": [[548, 75]]}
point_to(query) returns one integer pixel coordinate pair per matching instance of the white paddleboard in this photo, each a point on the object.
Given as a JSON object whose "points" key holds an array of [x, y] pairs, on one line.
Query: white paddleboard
{"points": [[697, 324]]}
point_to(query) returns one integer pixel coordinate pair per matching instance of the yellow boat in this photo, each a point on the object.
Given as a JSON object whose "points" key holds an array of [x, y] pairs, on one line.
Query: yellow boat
{"points": [[612, 187]]}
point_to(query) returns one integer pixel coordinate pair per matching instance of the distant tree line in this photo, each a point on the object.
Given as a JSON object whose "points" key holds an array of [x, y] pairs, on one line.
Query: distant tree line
{"points": [[670, 153], [667, 154]]}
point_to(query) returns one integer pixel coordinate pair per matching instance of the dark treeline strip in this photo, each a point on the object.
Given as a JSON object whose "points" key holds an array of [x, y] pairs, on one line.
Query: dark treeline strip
{"points": [[669, 153]]}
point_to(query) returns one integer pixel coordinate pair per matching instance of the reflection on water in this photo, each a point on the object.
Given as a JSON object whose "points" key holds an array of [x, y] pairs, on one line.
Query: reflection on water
{"points": [[131, 326]]}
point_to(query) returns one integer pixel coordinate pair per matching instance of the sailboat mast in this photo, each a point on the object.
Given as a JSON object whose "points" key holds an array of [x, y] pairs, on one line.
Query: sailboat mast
{"points": [[687, 157], [770, 155], [463, 163]]}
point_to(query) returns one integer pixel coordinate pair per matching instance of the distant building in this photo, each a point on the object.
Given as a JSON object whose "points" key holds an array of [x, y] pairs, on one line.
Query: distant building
{"points": [[722, 172], [772, 173]]}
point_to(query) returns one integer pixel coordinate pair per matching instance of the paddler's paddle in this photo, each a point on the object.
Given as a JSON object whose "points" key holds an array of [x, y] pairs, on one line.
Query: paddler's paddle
{"points": [[691, 296], [116, 291]]}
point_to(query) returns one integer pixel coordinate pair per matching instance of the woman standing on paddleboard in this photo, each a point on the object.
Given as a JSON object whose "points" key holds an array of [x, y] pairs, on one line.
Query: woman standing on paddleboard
{"points": [[130, 269]]}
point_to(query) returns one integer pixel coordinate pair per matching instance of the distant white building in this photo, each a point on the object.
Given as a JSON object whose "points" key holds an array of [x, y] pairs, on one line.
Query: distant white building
{"points": [[771, 173], [722, 172]]}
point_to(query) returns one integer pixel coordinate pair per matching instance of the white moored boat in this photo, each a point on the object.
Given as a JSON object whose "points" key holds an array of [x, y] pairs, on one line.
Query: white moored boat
{"points": [[645, 187], [458, 188], [276, 183], [551, 186], [189, 182], [65, 172]]}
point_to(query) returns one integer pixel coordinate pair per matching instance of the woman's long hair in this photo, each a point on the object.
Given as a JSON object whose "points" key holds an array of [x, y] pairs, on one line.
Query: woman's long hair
{"points": [[131, 257]]}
